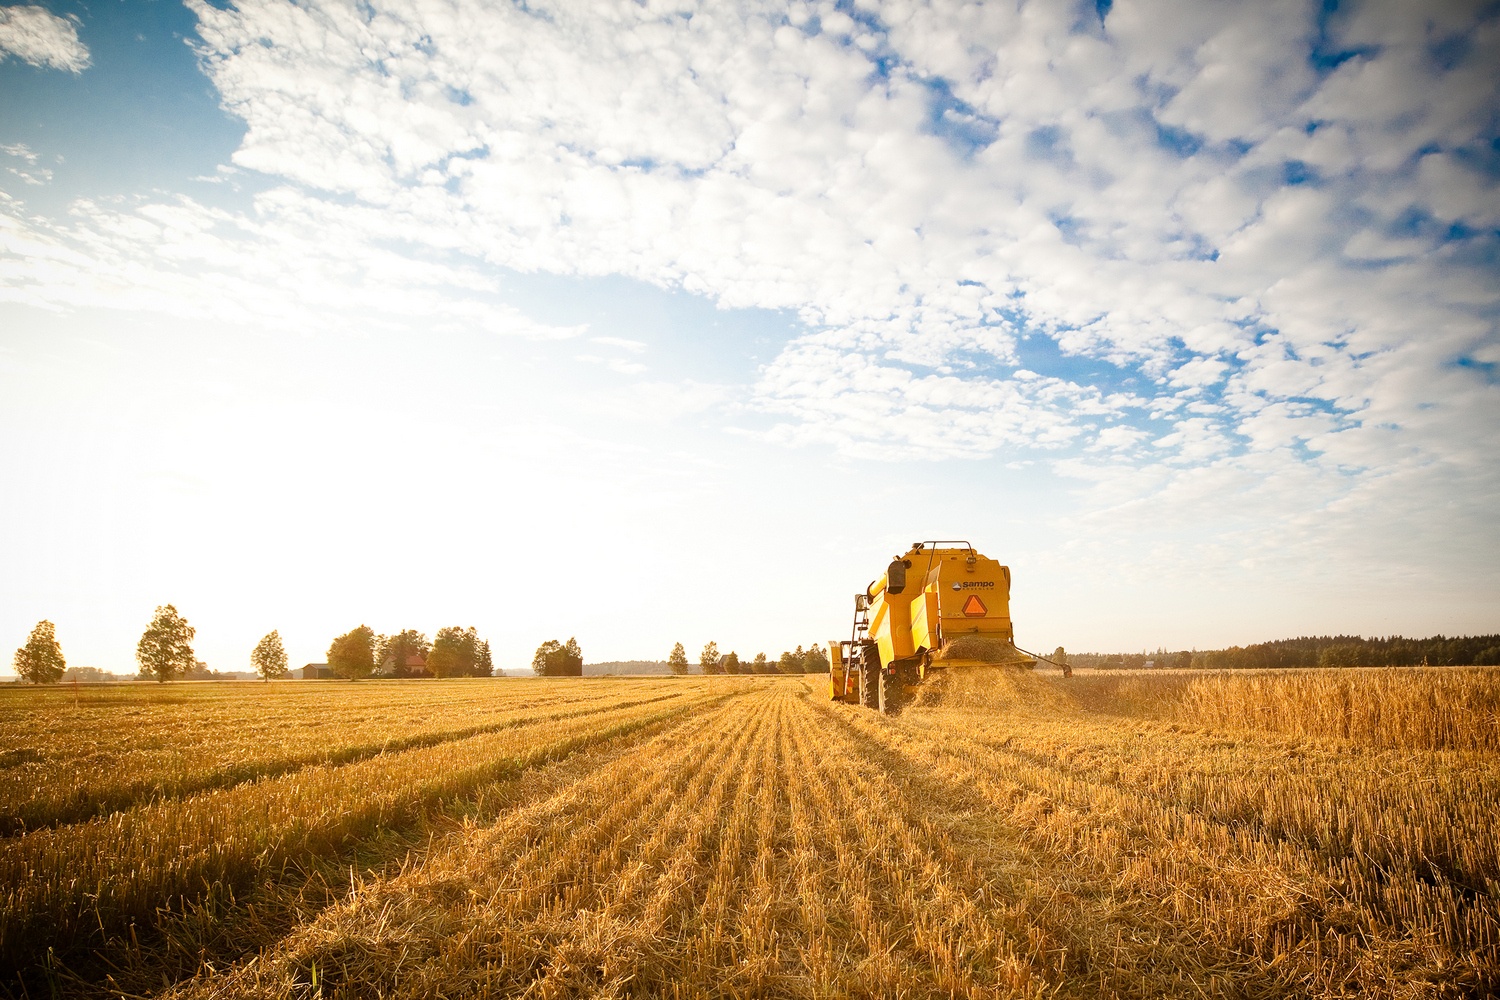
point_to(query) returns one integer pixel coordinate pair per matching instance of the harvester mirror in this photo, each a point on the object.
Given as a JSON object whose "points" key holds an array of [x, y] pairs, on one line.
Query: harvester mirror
{"points": [[895, 577], [861, 602]]}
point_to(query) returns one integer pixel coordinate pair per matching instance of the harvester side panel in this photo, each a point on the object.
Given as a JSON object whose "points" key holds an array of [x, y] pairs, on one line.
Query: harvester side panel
{"points": [[924, 619], [843, 678]]}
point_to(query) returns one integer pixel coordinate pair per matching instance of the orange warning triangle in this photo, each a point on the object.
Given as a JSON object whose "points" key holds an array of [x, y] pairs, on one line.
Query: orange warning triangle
{"points": [[974, 607]]}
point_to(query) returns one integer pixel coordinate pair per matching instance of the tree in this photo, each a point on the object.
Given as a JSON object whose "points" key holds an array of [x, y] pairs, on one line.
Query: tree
{"points": [[731, 662], [555, 659], [816, 661], [165, 650], [486, 666], [708, 660], [394, 650], [40, 661], [761, 665], [352, 654], [678, 661], [457, 652], [269, 658], [547, 654], [451, 653], [787, 663]]}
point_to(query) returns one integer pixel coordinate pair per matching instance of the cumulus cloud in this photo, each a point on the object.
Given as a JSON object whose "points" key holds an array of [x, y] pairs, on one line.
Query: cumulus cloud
{"points": [[34, 35], [1278, 220]]}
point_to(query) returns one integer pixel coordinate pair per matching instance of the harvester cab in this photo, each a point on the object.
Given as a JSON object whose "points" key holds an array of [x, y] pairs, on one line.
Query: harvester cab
{"points": [[940, 606]]}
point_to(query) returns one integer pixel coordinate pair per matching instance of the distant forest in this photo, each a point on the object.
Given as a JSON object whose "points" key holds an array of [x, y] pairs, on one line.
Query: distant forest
{"points": [[1313, 651], [618, 667]]}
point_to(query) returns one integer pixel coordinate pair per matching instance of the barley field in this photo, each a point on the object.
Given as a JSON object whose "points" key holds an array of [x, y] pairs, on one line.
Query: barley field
{"points": [[1008, 835]]}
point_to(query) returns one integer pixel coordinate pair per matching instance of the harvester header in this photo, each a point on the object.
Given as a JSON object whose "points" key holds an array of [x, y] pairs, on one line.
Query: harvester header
{"points": [[942, 605]]}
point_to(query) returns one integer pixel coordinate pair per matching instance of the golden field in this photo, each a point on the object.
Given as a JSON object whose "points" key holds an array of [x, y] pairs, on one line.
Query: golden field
{"points": [[1010, 834]]}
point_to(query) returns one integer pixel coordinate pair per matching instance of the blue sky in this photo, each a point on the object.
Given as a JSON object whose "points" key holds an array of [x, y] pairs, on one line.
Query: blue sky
{"points": [[668, 322]]}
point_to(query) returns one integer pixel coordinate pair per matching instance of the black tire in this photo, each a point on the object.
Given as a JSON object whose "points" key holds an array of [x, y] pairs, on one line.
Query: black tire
{"points": [[869, 683], [892, 695], [896, 687]]}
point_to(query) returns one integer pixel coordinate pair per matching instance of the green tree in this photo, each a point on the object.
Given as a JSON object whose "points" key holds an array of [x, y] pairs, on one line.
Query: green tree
{"points": [[454, 652], [269, 658], [457, 652], [165, 650], [556, 659], [761, 665], [731, 662], [1344, 654], [815, 661], [486, 665], [40, 661], [548, 655], [678, 661], [392, 651], [352, 654], [708, 660]]}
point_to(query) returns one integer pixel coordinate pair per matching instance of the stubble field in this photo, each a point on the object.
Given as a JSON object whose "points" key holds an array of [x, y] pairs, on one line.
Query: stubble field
{"points": [[1009, 834]]}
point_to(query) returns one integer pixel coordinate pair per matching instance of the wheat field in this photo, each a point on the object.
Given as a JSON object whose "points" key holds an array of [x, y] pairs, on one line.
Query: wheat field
{"points": [[1008, 835]]}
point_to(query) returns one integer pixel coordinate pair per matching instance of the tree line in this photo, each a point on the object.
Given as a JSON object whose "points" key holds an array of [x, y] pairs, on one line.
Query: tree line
{"points": [[1324, 651], [165, 653], [711, 661], [559, 659], [453, 652]]}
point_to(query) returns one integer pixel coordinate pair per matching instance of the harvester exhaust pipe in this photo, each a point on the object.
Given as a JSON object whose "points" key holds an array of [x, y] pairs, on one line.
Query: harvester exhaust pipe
{"points": [[895, 576]]}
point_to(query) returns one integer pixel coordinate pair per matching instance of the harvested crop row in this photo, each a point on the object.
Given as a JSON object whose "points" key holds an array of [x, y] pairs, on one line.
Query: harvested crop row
{"points": [[732, 856], [71, 888], [1316, 879], [117, 748], [244, 755]]}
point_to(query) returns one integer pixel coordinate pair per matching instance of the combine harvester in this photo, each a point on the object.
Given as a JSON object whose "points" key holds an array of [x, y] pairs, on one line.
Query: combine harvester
{"points": [[935, 608]]}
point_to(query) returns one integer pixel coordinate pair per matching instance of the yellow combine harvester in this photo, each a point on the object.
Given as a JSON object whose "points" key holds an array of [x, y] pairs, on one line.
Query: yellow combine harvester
{"points": [[937, 607]]}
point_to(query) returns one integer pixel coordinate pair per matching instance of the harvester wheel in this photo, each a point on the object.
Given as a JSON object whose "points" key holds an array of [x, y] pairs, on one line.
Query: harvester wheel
{"points": [[892, 695], [896, 686], [869, 686]]}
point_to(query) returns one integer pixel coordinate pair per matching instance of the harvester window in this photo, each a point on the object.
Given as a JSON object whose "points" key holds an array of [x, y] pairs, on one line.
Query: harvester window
{"points": [[895, 577]]}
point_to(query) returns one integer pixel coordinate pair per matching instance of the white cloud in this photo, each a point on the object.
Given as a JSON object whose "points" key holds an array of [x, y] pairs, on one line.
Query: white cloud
{"points": [[42, 39], [1181, 192], [1199, 372]]}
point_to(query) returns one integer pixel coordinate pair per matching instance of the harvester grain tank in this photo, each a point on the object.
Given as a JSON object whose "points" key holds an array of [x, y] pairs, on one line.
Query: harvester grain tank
{"points": [[941, 606]]}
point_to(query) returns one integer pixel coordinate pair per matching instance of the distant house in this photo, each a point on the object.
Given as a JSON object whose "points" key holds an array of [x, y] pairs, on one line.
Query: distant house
{"points": [[317, 672]]}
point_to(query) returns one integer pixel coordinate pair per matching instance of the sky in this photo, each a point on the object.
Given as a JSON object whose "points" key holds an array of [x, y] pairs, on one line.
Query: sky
{"points": [[671, 322]]}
